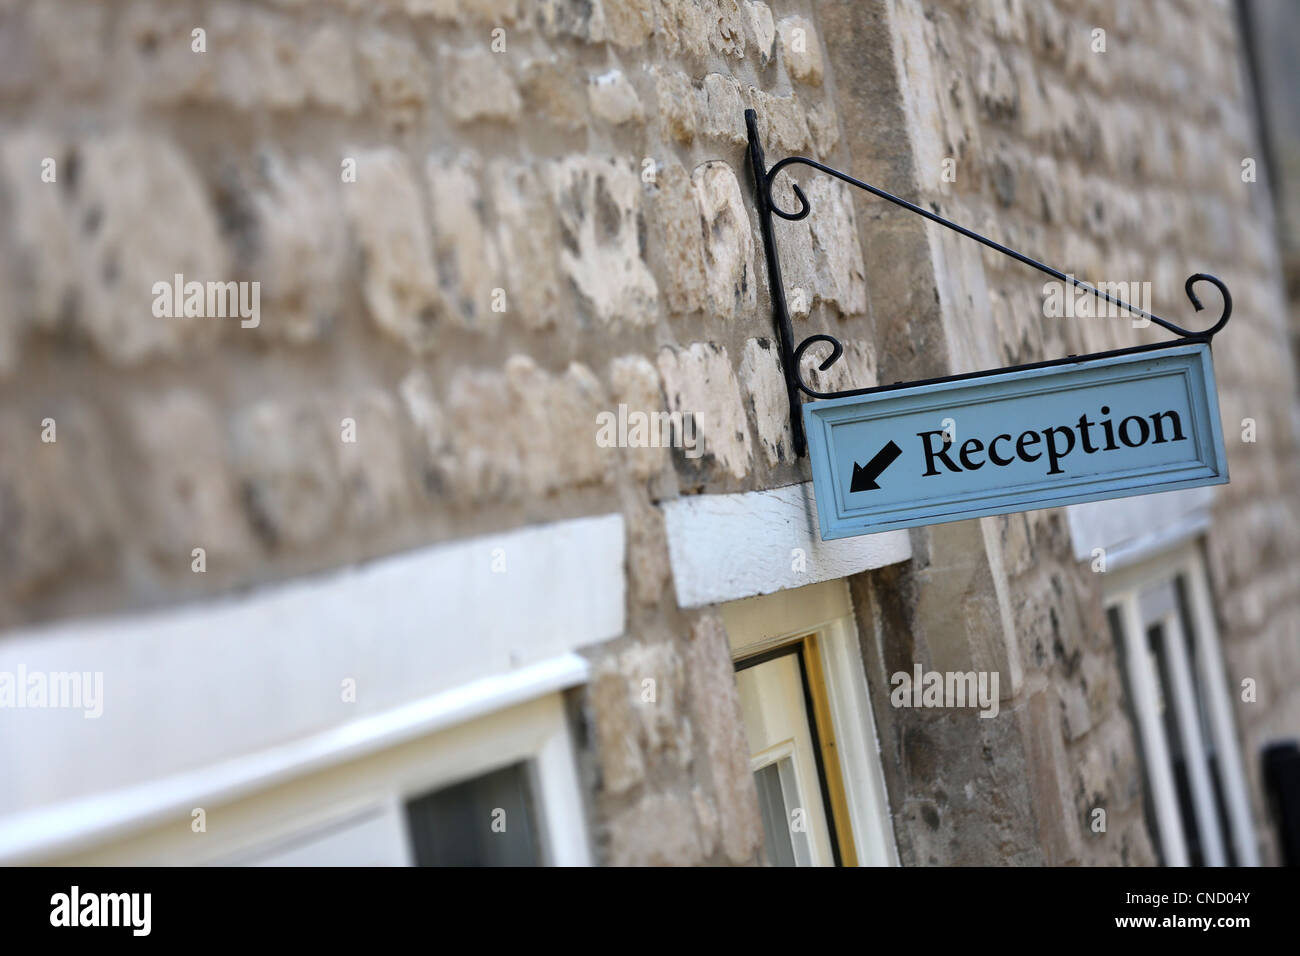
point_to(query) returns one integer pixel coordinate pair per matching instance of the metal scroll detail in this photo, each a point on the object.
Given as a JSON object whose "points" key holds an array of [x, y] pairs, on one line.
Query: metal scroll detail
{"points": [[792, 355]]}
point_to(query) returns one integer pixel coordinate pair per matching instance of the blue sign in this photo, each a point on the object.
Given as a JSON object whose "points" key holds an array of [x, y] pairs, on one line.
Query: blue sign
{"points": [[1012, 441]]}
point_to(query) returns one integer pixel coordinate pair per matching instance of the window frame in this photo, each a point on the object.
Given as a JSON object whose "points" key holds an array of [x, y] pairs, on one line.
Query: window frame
{"points": [[1126, 590], [829, 783], [271, 821], [821, 616]]}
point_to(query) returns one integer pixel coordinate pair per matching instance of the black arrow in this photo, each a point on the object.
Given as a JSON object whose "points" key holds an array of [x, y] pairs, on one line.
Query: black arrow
{"points": [[864, 477]]}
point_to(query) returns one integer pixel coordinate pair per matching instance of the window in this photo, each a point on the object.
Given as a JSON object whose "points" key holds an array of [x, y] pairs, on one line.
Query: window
{"points": [[491, 783], [485, 821], [794, 783], [808, 720], [497, 791], [1160, 614]]}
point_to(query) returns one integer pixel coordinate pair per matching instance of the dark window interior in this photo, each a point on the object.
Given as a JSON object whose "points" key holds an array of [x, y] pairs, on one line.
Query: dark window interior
{"points": [[485, 821]]}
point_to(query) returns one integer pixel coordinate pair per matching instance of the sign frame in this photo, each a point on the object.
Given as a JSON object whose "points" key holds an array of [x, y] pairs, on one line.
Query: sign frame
{"points": [[1208, 466]]}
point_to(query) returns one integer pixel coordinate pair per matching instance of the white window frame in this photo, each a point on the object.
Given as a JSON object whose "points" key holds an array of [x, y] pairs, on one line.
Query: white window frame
{"points": [[426, 639], [759, 624], [306, 819], [804, 851], [1136, 592]]}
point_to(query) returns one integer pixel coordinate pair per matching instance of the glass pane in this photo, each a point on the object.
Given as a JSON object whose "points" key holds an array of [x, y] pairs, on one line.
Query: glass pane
{"points": [[486, 821], [776, 816], [1156, 640], [1203, 710], [1116, 623], [1116, 628], [779, 727]]}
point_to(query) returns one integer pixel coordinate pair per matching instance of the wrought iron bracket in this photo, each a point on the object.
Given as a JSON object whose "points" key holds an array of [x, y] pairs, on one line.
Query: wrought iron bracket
{"points": [[792, 354]]}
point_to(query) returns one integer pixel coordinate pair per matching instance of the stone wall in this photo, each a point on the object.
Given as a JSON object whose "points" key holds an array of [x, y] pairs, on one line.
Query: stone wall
{"points": [[1118, 160], [478, 223], [475, 224]]}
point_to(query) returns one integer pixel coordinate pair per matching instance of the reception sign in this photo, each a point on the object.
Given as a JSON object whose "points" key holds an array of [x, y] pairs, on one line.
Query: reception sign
{"points": [[1103, 427]]}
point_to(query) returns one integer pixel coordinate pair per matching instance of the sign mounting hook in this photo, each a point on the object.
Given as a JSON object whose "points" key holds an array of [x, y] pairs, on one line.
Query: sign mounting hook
{"points": [[792, 354]]}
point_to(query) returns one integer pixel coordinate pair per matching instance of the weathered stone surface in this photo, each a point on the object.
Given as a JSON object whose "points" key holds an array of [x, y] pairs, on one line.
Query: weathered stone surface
{"points": [[42, 288], [760, 370], [676, 101], [526, 235], [399, 284], [798, 261], [660, 829], [721, 111], [824, 126], [18, 57], [727, 32], [599, 205], [729, 241], [762, 29], [678, 232], [800, 49], [841, 273], [554, 420], [71, 39], [583, 21], [481, 465], [188, 496], [1058, 830], [56, 508], [683, 27], [153, 42], [543, 437], [628, 23], [634, 382], [781, 122], [477, 86], [398, 76], [648, 569], [10, 337], [142, 216], [699, 382], [657, 678], [622, 764], [259, 62], [288, 471], [552, 91], [613, 98], [706, 815], [715, 713], [486, 12], [303, 259], [435, 460], [329, 70], [468, 264], [372, 464]]}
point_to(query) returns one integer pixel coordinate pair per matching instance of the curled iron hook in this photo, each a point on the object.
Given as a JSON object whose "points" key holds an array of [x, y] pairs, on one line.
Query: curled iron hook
{"points": [[837, 350], [1196, 304]]}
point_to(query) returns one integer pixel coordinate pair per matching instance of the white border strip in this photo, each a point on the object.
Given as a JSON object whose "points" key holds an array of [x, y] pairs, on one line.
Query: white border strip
{"points": [[197, 686], [1132, 529], [727, 547], [64, 827]]}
